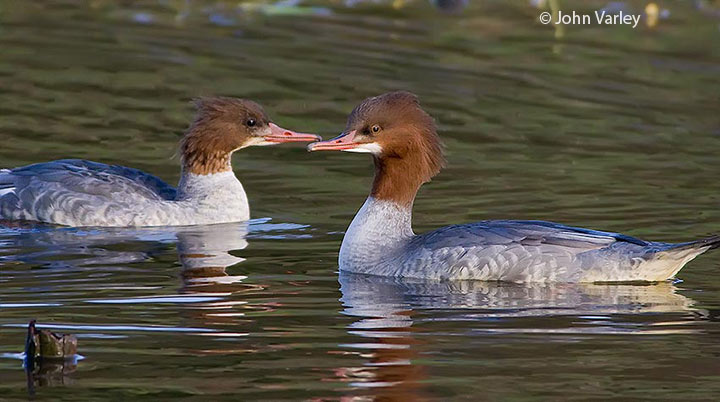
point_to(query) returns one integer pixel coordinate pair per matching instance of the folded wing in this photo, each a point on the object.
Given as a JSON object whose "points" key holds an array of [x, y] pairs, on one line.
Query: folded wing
{"points": [[73, 187]]}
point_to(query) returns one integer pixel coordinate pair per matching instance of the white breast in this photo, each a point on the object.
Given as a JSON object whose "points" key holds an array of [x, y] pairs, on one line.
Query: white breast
{"points": [[378, 230]]}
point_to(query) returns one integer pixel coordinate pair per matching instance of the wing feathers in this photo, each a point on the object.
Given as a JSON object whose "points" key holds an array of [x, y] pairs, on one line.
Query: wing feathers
{"points": [[69, 190]]}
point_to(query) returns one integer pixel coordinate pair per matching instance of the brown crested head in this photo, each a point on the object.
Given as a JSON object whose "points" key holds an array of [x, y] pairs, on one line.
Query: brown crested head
{"points": [[402, 138], [223, 125]]}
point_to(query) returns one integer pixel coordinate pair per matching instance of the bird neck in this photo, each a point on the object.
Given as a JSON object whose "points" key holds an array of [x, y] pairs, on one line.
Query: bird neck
{"points": [[378, 228]]}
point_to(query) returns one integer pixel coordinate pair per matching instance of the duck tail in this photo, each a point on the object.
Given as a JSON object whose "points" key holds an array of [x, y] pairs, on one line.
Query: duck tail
{"points": [[705, 244], [666, 262]]}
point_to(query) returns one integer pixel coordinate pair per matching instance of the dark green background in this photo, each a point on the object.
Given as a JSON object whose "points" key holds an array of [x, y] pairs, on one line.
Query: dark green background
{"points": [[606, 127]]}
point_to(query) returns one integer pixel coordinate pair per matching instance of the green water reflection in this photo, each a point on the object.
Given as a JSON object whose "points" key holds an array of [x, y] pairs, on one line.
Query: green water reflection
{"points": [[612, 128]]}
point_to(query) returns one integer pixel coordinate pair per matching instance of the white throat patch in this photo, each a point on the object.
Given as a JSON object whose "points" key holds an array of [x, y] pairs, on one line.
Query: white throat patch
{"points": [[257, 142], [371, 148]]}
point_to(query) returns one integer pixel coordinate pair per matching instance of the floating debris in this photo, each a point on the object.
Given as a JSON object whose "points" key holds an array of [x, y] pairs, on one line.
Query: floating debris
{"points": [[46, 345], [49, 357]]}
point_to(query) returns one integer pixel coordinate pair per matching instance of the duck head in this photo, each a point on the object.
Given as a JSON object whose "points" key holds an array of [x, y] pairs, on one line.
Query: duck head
{"points": [[402, 139], [224, 125]]}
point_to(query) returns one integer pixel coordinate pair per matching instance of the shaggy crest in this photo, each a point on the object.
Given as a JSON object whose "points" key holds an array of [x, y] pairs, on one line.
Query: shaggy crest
{"points": [[412, 153], [217, 131]]}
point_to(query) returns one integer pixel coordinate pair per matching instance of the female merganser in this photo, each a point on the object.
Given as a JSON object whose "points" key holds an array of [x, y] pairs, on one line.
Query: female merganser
{"points": [[407, 152], [82, 193]]}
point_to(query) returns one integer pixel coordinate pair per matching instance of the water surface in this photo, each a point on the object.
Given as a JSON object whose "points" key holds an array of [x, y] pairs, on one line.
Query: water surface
{"points": [[603, 127]]}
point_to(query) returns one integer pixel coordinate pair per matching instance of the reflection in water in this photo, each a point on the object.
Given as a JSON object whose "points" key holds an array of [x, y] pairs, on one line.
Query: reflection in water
{"points": [[380, 297], [387, 323], [51, 374], [69, 248], [579, 137], [204, 252], [48, 246], [390, 310]]}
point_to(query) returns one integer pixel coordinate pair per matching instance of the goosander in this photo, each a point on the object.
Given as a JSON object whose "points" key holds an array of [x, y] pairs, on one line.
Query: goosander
{"points": [[83, 193], [407, 152]]}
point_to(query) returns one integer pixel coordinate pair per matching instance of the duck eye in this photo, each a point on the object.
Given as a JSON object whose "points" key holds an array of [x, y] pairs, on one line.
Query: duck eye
{"points": [[375, 128], [251, 122]]}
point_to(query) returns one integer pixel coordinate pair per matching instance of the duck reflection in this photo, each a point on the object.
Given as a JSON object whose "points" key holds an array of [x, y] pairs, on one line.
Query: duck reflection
{"points": [[204, 253], [67, 248], [392, 314], [379, 295], [111, 265]]}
